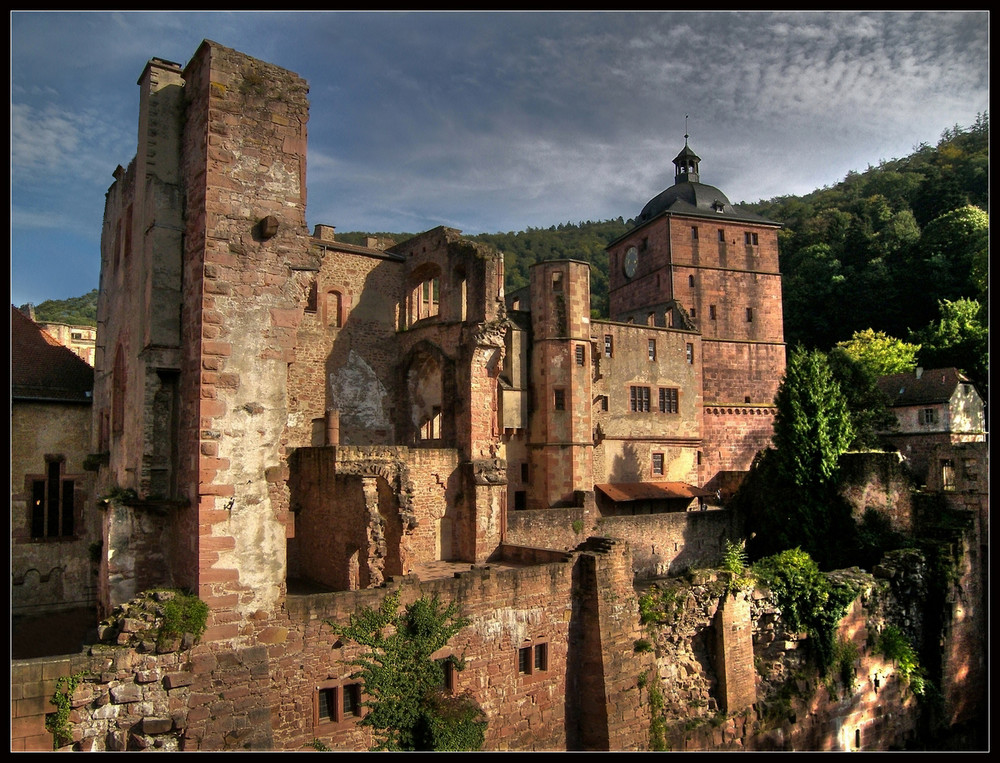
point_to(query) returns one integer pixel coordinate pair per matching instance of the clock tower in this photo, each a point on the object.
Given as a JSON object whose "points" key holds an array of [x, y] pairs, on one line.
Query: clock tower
{"points": [[695, 262]]}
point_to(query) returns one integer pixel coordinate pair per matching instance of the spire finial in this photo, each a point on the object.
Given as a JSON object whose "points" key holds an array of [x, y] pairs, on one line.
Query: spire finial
{"points": [[685, 129]]}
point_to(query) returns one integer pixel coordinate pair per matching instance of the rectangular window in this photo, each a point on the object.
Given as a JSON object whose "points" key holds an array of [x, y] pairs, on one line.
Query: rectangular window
{"points": [[694, 232], [652, 349], [668, 400], [639, 399], [524, 660], [750, 239], [557, 282], [722, 236], [541, 657], [533, 659], [336, 704], [53, 510], [448, 669], [657, 464], [927, 416], [947, 474], [749, 315], [602, 401], [711, 312], [608, 345], [559, 401], [580, 355], [690, 353], [694, 313]]}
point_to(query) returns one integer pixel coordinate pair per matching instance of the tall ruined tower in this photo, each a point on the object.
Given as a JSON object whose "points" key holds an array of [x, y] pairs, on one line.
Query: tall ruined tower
{"points": [[693, 256], [203, 247]]}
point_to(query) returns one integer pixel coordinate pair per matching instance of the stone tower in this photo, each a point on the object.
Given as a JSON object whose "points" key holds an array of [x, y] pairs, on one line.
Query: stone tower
{"points": [[692, 257]]}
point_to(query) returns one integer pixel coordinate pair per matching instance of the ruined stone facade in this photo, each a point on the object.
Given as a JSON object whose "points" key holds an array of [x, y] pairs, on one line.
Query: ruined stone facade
{"points": [[295, 427]]}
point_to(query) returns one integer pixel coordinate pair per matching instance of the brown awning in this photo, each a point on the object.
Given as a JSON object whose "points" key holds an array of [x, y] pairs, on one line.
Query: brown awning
{"points": [[651, 491]]}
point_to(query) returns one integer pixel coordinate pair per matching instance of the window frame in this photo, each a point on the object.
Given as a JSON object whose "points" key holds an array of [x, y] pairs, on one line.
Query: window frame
{"points": [[658, 464], [669, 400], [639, 399], [336, 692]]}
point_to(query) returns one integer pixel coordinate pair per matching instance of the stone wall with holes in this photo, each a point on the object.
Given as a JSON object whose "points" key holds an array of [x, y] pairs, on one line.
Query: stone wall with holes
{"points": [[575, 614]]}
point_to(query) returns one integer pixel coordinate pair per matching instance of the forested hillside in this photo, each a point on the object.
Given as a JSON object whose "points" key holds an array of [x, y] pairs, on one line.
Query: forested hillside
{"points": [[76, 311], [901, 248]]}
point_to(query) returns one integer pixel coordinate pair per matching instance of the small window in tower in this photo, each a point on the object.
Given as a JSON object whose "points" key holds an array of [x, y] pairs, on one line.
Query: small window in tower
{"points": [[603, 402], [711, 312], [691, 281], [557, 282], [559, 400], [722, 236], [947, 474], [746, 238], [608, 345], [694, 313], [749, 315], [690, 353], [753, 237], [652, 349], [694, 232], [657, 464], [580, 355]]}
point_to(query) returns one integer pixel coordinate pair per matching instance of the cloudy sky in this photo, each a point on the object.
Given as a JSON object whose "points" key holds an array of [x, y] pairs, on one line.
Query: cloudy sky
{"points": [[493, 122]]}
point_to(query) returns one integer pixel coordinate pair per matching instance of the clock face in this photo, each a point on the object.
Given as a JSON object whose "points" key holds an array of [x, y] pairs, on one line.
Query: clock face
{"points": [[631, 261]]}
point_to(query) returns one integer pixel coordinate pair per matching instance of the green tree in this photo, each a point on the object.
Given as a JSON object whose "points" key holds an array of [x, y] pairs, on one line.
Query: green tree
{"points": [[812, 425], [880, 353], [958, 339], [868, 407], [408, 708]]}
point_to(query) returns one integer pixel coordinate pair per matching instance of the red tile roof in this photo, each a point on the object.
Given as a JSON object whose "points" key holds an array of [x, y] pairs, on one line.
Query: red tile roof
{"points": [[933, 385], [41, 368], [646, 491]]}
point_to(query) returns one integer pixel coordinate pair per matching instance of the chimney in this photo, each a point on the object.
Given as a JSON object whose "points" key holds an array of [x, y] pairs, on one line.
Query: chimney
{"points": [[325, 232]]}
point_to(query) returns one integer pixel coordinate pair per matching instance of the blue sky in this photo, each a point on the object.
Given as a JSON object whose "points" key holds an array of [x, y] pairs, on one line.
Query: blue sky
{"points": [[493, 122]]}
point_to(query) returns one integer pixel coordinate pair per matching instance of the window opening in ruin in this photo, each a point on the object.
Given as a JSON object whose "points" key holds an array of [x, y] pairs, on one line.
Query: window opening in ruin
{"points": [[52, 502], [608, 345], [722, 236], [711, 312], [559, 401], [694, 312], [652, 349], [541, 657], [694, 232], [690, 353], [970, 467], [524, 660], [669, 400], [580, 355], [749, 315], [448, 668], [639, 399], [657, 464], [557, 282], [334, 309], [312, 300], [603, 402], [947, 474], [118, 392], [431, 429]]}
